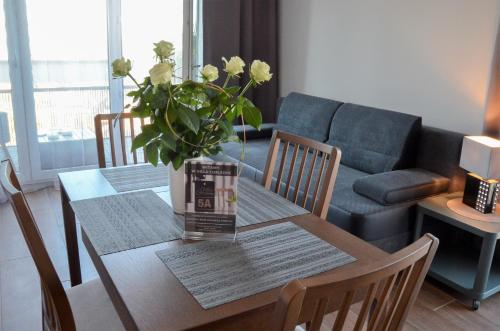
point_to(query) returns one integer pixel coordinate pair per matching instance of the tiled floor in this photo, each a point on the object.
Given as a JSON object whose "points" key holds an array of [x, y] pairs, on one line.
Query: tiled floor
{"points": [[20, 292]]}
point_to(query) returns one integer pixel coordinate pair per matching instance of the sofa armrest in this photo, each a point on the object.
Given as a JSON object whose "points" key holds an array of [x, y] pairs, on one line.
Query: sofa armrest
{"points": [[398, 186], [266, 131]]}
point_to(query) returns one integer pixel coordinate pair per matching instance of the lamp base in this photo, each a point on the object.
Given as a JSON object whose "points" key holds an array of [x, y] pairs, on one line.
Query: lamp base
{"points": [[481, 194]]}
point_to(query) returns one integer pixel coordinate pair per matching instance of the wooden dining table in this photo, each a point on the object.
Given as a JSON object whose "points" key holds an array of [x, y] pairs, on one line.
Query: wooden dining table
{"points": [[148, 296]]}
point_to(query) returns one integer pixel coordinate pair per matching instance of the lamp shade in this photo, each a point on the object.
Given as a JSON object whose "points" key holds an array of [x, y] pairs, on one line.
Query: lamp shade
{"points": [[481, 155]]}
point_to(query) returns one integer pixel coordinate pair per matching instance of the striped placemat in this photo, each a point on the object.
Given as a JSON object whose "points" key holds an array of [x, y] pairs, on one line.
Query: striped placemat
{"points": [[257, 205], [139, 177], [124, 221], [220, 272]]}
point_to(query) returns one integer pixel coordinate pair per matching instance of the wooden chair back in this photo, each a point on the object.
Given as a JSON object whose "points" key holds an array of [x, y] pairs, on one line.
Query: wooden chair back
{"points": [[127, 126], [315, 156], [56, 310], [387, 287]]}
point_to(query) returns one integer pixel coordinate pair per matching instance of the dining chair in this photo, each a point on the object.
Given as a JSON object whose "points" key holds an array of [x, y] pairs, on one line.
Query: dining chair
{"points": [[319, 164], [105, 124], [388, 289], [83, 307]]}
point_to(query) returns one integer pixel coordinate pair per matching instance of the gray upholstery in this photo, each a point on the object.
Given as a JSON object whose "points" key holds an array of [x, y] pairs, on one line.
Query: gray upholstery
{"points": [[398, 186], [306, 115], [439, 151], [374, 140]]}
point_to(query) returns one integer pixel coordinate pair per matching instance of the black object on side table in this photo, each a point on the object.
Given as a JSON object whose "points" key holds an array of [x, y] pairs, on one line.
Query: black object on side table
{"points": [[460, 268]]}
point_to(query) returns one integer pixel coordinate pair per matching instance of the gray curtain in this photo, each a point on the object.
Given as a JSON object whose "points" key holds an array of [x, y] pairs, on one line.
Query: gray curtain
{"points": [[248, 28]]}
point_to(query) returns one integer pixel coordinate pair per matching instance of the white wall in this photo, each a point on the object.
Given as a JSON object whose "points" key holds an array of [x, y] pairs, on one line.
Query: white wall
{"points": [[425, 57]]}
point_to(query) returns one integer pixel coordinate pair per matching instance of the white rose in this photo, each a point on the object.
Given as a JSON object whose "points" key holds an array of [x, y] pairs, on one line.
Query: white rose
{"points": [[164, 48], [210, 73], [234, 66], [259, 71], [121, 67], [161, 73]]}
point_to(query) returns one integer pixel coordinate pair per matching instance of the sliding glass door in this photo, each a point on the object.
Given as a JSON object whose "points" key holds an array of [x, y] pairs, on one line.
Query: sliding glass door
{"points": [[69, 61], [61, 51]]}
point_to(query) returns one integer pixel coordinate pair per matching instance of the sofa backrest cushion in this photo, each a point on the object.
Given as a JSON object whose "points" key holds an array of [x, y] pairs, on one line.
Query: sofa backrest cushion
{"points": [[439, 151], [306, 115], [375, 140]]}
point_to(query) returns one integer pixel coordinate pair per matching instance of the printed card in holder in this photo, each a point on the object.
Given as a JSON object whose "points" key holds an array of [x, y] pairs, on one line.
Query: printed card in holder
{"points": [[210, 200]]}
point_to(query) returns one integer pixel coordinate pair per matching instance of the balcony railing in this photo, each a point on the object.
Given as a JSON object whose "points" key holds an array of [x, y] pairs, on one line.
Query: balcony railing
{"points": [[62, 108]]}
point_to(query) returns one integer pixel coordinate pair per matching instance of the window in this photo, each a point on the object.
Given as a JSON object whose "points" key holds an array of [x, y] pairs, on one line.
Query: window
{"points": [[61, 52]]}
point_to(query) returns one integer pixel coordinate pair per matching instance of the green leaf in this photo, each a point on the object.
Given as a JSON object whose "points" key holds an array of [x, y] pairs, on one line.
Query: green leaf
{"points": [[189, 118], [232, 90], [205, 111], [141, 110], [164, 156], [226, 127], [252, 116], [159, 99], [133, 93], [152, 153], [178, 161], [169, 141], [171, 114], [230, 115], [149, 132]]}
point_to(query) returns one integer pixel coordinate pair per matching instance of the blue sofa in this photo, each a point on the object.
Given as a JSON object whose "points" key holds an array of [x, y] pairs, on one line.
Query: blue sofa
{"points": [[389, 161]]}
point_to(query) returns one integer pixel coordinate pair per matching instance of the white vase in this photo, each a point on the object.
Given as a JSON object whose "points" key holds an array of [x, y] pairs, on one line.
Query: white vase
{"points": [[178, 187]]}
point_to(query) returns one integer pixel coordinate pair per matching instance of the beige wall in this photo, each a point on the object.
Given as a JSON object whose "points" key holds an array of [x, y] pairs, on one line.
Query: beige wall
{"points": [[426, 57]]}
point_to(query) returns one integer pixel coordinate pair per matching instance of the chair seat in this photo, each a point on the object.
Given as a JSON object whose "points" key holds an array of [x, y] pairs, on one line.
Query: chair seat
{"points": [[92, 308]]}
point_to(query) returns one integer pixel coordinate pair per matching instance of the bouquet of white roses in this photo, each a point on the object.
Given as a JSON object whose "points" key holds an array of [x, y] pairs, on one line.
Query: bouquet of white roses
{"points": [[190, 119]]}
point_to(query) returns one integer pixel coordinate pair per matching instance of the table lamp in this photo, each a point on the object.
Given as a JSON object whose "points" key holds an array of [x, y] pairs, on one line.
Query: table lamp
{"points": [[481, 158]]}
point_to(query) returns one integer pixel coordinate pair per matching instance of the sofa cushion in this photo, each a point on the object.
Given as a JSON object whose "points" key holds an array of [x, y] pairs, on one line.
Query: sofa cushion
{"points": [[374, 140], [306, 115], [399, 186]]}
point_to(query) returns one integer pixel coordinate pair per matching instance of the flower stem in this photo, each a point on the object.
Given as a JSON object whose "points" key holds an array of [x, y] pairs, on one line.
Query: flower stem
{"points": [[133, 79], [245, 89], [226, 81]]}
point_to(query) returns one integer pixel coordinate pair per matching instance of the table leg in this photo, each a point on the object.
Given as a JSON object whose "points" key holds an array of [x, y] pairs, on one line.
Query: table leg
{"points": [[71, 239], [418, 226], [484, 265]]}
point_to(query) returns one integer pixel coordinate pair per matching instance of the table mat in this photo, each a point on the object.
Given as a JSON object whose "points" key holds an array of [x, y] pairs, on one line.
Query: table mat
{"points": [[130, 220], [220, 272], [258, 205], [136, 177]]}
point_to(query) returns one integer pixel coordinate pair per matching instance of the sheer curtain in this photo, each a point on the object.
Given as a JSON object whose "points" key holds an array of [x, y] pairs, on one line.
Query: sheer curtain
{"points": [[68, 45]]}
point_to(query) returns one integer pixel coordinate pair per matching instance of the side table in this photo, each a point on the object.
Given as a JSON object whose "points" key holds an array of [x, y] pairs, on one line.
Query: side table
{"points": [[477, 278]]}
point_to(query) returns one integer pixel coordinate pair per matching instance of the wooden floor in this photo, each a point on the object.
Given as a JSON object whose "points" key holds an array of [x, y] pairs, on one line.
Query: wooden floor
{"points": [[20, 291]]}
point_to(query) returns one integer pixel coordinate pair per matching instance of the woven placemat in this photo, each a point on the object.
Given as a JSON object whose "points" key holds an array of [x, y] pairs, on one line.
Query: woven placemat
{"points": [[220, 272], [140, 177], [258, 205], [124, 221]]}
